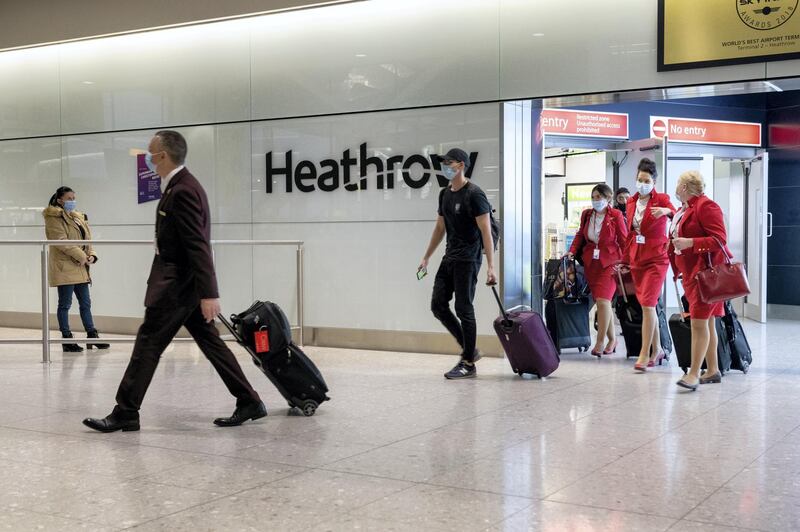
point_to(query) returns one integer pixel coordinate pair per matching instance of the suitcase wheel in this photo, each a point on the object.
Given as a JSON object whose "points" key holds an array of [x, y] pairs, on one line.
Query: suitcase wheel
{"points": [[309, 408], [745, 367]]}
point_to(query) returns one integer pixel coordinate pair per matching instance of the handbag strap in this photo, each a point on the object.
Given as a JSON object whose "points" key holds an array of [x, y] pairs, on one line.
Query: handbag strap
{"points": [[728, 258]]}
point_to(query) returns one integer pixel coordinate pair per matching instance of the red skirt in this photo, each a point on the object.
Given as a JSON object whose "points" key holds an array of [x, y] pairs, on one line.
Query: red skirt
{"points": [[602, 282], [697, 309], [649, 280]]}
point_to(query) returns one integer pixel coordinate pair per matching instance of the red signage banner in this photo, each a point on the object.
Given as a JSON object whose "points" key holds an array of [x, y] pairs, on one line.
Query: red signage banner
{"points": [[571, 123], [706, 131]]}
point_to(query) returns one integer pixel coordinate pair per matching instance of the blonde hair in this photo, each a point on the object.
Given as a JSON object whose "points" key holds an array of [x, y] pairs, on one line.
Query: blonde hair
{"points": [[695, 185]]}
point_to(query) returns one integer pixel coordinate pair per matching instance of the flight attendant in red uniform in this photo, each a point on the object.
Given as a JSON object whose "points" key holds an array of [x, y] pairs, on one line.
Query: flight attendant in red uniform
{"points": [[600, 242], [698, 231], [648, 212]]}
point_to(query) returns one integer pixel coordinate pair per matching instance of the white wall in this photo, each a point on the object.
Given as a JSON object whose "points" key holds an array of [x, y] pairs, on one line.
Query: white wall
{"points": [[69, 114], [362, 247]]}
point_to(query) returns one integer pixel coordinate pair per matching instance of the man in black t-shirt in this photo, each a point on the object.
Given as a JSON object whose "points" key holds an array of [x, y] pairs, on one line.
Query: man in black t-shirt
{"points": [[464, 215]]}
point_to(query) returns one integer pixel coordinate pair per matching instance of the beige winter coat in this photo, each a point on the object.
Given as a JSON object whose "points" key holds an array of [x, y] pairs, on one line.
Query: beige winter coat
{"points": [[64, 266]]}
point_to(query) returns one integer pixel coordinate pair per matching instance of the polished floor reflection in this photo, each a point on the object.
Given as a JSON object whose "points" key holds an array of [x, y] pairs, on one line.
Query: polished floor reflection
{"points": [[398, 448]]}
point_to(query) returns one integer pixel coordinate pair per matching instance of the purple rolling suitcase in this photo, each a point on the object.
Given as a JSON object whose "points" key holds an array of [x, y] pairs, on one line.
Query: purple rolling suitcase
{"points": [[526, 341]]}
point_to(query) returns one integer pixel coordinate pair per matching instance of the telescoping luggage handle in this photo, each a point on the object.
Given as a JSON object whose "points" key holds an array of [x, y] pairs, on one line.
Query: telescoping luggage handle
{"points": [[681, 310], [624, 294], [506, 321]]}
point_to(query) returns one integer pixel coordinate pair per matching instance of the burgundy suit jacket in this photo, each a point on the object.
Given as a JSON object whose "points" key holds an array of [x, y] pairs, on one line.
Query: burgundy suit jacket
{"points": [[654, 230], [702, 222], [183, 269], [612, 238]]}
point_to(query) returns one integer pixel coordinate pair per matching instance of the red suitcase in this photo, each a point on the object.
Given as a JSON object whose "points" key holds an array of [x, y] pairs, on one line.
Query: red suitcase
{"points": [[526, 341]]}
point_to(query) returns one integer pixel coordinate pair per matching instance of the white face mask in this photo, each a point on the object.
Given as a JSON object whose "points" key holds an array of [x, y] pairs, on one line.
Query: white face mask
{"points": [[599, 205], [644, 188]]}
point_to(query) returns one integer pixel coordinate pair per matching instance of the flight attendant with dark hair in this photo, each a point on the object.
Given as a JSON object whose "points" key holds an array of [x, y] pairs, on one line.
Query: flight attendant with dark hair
{"points": [[599, 243], [648, 212]]}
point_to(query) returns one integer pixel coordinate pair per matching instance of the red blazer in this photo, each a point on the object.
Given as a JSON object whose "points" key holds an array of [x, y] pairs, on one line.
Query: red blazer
{"points": [[654, 230], [702, 221], [612, 238]]}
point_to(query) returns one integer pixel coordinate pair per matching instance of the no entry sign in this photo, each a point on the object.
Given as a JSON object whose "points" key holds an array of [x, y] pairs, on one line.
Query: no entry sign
{"points": [[706, 131]]}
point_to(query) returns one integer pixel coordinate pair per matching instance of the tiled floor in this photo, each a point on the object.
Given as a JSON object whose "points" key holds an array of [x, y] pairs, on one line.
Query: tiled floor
{"points": [[595, 447]]}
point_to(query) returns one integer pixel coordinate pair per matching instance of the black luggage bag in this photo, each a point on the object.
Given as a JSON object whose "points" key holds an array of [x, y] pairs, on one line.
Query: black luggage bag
{"points": [[741, 354], [568, 323], [568, 302], [629, 314], [681, 329], [264, 331]]}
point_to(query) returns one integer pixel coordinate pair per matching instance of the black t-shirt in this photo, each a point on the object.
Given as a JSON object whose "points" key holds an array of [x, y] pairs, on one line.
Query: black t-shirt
{"points": [[463, 234]]}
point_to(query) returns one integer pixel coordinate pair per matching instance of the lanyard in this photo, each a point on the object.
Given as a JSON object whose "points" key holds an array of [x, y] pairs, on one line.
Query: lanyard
{"points": [[597, 230]]}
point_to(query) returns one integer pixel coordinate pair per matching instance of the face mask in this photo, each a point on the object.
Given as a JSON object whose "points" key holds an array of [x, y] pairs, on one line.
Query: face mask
{"points": [[70, 205], [148, 160], [599, 205], [449, 172], [644, 188]]}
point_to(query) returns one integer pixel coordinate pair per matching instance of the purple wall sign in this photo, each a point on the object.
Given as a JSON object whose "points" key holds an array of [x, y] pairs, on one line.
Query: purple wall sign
{"points": [[149, 182]]}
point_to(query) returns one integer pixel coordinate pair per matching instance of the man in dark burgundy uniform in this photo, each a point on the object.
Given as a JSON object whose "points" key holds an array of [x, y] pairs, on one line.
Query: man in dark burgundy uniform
{"points": [[181, 291]]}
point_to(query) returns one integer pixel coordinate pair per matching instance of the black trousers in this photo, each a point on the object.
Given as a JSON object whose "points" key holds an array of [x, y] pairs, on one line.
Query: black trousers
{"points": [[459, 278], [155, 334]]}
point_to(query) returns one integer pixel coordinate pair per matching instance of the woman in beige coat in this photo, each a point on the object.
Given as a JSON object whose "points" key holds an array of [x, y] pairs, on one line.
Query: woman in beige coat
{"points": [[68, 267]]}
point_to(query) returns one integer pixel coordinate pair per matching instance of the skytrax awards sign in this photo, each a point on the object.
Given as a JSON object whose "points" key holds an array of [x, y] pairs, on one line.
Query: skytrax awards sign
{"points": [[694, 34]]}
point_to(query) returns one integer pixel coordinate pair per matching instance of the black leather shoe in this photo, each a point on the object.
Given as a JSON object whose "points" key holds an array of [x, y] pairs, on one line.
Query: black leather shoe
{"points": [[112, 423], [241, 414]]}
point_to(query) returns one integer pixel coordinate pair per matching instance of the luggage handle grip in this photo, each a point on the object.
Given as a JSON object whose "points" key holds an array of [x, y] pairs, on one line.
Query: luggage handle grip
{"points": [[506, 321], [681, 310], [624, 295]]}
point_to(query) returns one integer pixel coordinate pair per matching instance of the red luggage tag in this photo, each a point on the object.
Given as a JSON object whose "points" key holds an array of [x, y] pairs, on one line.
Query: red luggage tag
{"points": [[262, 341]]}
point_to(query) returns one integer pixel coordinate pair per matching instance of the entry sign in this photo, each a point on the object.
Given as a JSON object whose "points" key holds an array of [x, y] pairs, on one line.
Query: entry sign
{"points": [[706, 131], [571, 123]]}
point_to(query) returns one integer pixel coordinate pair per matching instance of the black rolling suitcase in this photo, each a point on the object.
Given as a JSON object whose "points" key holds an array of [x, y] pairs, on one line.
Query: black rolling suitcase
{"points": [[681, 329], [629, 314], [741, 354], [264, 331], [568, 302], [568, 323]]}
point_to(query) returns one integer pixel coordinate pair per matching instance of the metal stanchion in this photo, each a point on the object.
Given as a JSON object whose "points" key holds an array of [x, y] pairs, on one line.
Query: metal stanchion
{"points": [[45, 306], [300, 295]]}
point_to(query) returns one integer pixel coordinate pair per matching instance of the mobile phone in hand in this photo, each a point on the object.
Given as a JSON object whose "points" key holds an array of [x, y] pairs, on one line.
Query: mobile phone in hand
{"points": [[422, 272]]}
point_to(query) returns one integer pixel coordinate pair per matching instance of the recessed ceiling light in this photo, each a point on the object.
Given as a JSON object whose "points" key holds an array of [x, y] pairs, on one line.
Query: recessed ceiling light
{"points": [[538, 34], [88, 82], [361, 55]]}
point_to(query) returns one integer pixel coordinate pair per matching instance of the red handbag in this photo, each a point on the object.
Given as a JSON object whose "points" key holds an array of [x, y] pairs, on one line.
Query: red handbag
{"points": [[723, 282]]}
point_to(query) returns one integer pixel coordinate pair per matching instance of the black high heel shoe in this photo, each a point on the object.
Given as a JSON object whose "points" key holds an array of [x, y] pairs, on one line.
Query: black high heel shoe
{"points": [[93, 334]]}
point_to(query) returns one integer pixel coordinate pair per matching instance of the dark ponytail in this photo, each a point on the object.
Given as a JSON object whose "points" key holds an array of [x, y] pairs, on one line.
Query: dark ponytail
{"points": [[58, 195]]}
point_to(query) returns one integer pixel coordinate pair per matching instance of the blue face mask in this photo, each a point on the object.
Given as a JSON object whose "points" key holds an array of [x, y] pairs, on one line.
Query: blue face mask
{"points": [[449, 172], [70, 205], [599, 205], [148, 160]]}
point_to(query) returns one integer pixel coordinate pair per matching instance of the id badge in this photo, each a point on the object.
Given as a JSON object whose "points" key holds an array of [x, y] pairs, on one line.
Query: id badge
{"points": [[596, 254], [639, 239]]}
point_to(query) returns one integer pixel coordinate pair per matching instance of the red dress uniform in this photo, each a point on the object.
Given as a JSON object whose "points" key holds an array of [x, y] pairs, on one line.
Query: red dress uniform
{"points": [[702, 221], [611, 242], [649, 259]]}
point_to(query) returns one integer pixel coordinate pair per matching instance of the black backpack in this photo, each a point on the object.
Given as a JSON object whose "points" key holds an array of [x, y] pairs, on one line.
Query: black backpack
{"points": [[264, 315], [493, 223]]}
